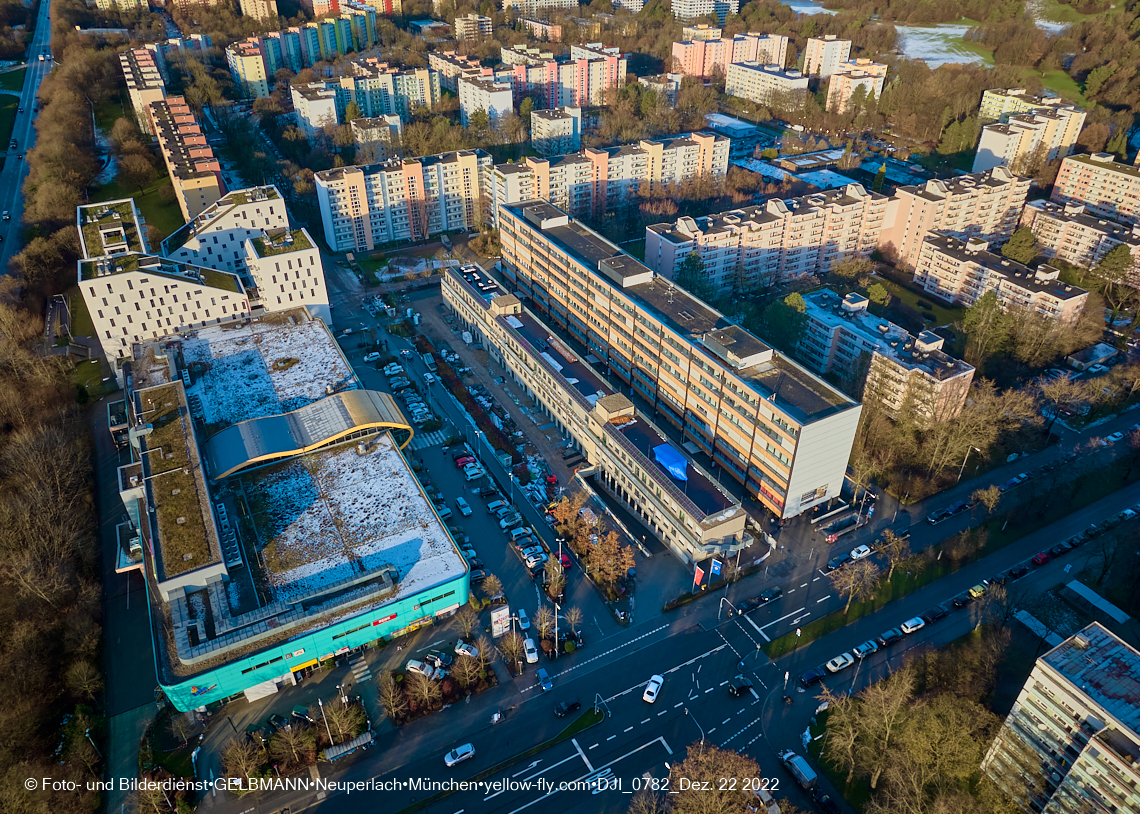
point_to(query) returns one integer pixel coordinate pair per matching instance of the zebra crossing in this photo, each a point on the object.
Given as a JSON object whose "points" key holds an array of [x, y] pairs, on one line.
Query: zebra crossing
{"points": [[428, 439], [360, 670]]}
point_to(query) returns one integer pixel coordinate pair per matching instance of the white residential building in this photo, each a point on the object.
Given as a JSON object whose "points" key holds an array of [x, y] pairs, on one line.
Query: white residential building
{"points": [[1068, 232], [999, 104], [1045, 134], [859, 73], [538, 8], [484, 93], [473, 27], [450, 66], [701, 32], [556, 132], [695, 9], [757, 82], [377, 135], [823, 55], [1104, 186], [760, 246], [314, 106]]}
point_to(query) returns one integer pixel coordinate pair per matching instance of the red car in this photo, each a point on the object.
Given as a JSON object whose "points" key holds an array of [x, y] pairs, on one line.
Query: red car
{"points": [[462, 462], [566, 561], [1041, 559]]}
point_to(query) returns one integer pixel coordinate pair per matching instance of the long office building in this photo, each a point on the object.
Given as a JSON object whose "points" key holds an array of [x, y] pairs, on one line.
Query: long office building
{"points": [[142, 71], [758, 82], [783, 240], [1068, 232], [195, 172], [1071, 743], [409, 199], [596, 180], [985, 205], [824, 55], [1045, 134], [880, 361], [777, 428], [961, 271], [703, 57], [1102, 185]]}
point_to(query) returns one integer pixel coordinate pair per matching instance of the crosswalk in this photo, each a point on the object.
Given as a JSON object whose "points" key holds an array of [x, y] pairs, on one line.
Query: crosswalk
{"points": [[360, 669], [428, 439]]}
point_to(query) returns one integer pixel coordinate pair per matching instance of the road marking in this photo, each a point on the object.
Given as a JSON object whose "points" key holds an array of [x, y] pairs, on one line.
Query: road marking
{"points": [[725, 721], [678, 704], [615, 649], [824, 599], [527, 769], [755, 694], [804, 585], [629, 729], [790, 591], [723, 683], [610, 738], [817, 579], [582, 754], [595, 746], [710, 689], [641, 685], [536, 774], [662, 712], [647, 720], [712, 730]]}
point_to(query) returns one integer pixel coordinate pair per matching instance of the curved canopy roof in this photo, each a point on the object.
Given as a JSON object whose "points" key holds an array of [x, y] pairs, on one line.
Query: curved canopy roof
{"points": [[328, 421]]}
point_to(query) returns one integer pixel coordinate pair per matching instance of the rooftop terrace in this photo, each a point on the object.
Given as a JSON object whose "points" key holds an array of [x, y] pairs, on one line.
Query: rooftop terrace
{"points": [[110, 227], [290, 240], [220, 207], [159, 266]]}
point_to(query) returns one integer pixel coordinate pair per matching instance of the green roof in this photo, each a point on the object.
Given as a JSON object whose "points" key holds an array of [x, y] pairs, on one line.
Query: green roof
{"points": [[222, 280], [90, 231], [130, 262], [266, 249], [219, 208]]}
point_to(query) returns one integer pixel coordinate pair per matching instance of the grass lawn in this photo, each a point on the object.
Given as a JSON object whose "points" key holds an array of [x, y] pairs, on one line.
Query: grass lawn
{"points": [[88, 374], [8, 106], [1057, 12], [13, 80], [943, 314], [977, 48], [81, 324], [163, 215], [108, 111], [1063, 85]]}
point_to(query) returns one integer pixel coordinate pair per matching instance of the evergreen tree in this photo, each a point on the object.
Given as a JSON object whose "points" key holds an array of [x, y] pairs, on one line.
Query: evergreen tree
{"points": [[880, 177], [351, 112], [1118, 145], [1022, 247], [691, 277]]}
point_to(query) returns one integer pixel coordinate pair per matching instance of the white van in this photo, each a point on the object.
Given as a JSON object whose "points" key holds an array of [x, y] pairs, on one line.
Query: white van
{"points": [[519, 534], [371, 357]]}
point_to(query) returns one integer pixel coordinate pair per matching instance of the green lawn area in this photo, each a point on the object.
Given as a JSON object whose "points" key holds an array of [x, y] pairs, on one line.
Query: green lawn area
{"points": [[1057, 12], [163, 215], [88, 374], [81, 324], [985, 53], [13, 80], [108, 111], [1063, 85], [8, 106], [943, 314]]}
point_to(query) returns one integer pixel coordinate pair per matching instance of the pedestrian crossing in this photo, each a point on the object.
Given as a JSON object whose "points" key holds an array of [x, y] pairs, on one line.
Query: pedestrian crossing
{"points": [[360, 669], [428, 439]]}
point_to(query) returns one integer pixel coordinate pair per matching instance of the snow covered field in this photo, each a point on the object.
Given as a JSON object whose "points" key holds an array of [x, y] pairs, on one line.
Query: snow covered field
{"points": [[333, 515]]}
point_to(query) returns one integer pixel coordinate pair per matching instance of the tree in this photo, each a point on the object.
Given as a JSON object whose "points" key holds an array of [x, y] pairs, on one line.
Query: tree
{"points": [[1115, 266], [608, 560], [691, 277], [351, 112], [486, 649], [512, 647], [544, 622], [555, 578], [468, 620], [986, 327], [988, 497], [843, 730], [1105, 555], [884, 706], [877, 293], [785, 320], [291, 746], [392, 698], [492, 585], [242, 758], [1118, 145], [573, 617], [423, 690], [345, 721], [526, 107], [85, 680], [135, 172], [1062, 394], [896, 549], [855, 581], [852, 268], [709, 769], [1022, 246], [466, 671], [880, 178]]}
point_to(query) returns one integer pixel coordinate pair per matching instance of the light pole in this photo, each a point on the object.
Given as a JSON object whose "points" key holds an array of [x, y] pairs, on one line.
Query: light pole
{"points": [[343, 697], [963, 467], [698, 727], [557, 610], [326, 720], [87, 734], [720, 607]]}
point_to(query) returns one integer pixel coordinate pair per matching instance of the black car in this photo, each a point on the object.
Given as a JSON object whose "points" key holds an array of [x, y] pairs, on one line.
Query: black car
{"points": [[837, 562], [478, 576], [740, 686], [770, 595], [1018, 571], [279, 722], [824, 802], [437, 658], [961, 600], [566, 707], [934, 614], [957, 508], [936, 517], [1000, 578], [814, 676], [889, 637], [459, 452], [476, 565], [487, 491], [747, 605], [1059, 549]]}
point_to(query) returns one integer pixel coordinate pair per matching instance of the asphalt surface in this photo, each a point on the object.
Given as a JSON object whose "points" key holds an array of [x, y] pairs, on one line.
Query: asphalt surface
{"points": [[15, 167]]}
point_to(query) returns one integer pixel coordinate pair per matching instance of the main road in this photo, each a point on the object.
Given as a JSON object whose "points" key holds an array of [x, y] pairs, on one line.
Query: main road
{"points": [[15, 167]]}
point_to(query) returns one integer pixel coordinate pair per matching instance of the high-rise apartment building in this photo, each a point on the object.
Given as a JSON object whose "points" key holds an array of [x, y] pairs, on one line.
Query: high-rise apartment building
{"points": [[880, 361], [692, 514], [749, 249], [703, 32], [473, 27], [777, 428], [259, 9], [484, 93], [195, 172], [142, 70], [556, 132], [409, 199], [823, 55], [389, 8], [450, 66], [695, 9], [247, 66], [1068, 232], [378, 137], [121, 5], [757, 82], [373, 86], [1071, 743], [704, 57], [1103, 186], [860, 73], [1045, 134], [1001, 103], [538, 8], [958, 271], [314, 106], [542, 30], [986, 205], [579, 81]]}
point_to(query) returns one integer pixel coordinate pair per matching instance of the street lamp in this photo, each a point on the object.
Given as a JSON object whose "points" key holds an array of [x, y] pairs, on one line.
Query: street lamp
{"points": [[326, 720], [720, 607], [963, 467], [698, 727], [343, 697]]}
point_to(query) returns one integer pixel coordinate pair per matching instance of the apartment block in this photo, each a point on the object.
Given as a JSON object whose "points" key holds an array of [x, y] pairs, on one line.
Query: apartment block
{"points": [[132, 295], [121, 5], [1104, 187], [1072, 740], [580, 80], [473, 27], [525, 55], [780, 241], [958, 271], [247, 66], [664, 85], [999, 104], [632, 6], [862, 73], [538, 8], [389, 8], [695, 9], [597, 180], [694, 516], [700, 57], [986, 205], [556, 132], [376, 88], [259, 9], [411, 199], [777, 428], [702, 32], [1068, 232], [195, 172], [542, 30], [1045, 134], [880, 361], [823, 55], [485, 93], [314, 106], [142, 71], [319, 8], [379, 136], [757, 82], [451, 66]]}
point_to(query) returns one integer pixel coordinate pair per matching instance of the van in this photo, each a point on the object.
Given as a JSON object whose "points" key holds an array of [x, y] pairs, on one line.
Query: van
{"points": [[519, 534], [798, 768]]}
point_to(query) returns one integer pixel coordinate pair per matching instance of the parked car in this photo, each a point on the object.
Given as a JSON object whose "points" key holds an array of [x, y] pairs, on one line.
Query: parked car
{"points": [[652, 689], [459, 754], [473, 472], [837, 562], [464, 649], [463, 506], [510, 521], [936, 517], [478, 576], [487, 491], [530, 551], [1018, 571], [1040, 559], [746, 605], [524, 621], [425, 670], [813, 676], [740, 686], [371, 357], [1116, 436], [536, 560], [564, 708], [865, 649], [279, 722], [934, 614], [824, 802], [980, 590], [564, 558], [913, 625], [445, 512], [798, 768], [859, 552], [543, 679], [530, 650], [840, 662], [889, 637], [961, 600], [495, 505], [770, 595], [437, 658], [462, 462]]}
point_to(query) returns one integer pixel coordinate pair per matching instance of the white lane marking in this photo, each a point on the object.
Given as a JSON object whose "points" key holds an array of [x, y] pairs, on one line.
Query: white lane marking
{"points": [[723, 683], [639, 686], [824, 599], [582, 754], [817, 579], [725, 721], [629, 729], [536, 774], [710, 689], [646, 721], [610, 738], [790, 591], [758, 630], [678, 704], [611, 650], [804, 585], [595, 746], [662, 712]]}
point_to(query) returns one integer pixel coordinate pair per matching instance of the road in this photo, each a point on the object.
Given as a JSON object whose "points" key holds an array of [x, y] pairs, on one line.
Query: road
{"points": [[15, 167]]}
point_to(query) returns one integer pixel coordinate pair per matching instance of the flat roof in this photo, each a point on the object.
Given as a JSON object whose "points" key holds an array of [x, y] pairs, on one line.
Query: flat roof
{"points": [[1069, 213], [220, 207], [1104, 668], [162, 267], [282, 242], [397, 163], [110, 227], [1109, 163], [939, 189], [1012, 271], [697, 486]]}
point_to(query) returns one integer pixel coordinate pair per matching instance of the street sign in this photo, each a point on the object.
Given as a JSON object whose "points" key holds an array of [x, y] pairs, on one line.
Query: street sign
{"points": [[500, 621], [715, 567]]}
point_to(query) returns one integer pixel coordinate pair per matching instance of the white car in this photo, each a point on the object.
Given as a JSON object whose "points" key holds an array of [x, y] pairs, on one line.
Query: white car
{"points": [[429, 378], [524, 622], [464, 649], [859, 552], [473, 472], [463, 506], [840, 662], [536, 560], [426, 670], [652, 689], [459, 754], [865, 649], [393, 370], [913, 625], [371, 357], [445, 512], [531, 650], [1116, 436]]}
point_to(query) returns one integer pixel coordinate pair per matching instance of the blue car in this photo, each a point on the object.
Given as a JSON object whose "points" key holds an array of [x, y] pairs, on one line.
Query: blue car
{"points": [[543, 678]]}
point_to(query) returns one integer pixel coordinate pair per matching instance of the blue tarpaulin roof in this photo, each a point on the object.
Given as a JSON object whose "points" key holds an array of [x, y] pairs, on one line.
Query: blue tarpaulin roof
{"points": [[673, 461]]}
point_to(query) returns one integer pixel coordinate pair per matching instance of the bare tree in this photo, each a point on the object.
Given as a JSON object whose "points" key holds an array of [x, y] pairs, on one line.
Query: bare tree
{"points": [[512, 647], [291, 746], [544, 622], [466, 671], [492, 585], [1001, 604], [485, 648], [856, 581], [896, 549], [345, 721], [573, 617], [1105, 555], [468, 620], [392, 698], [988, 497], [241, 758], [86, 681], [842, 730], [709, 767], [555, 578], [883, 708], [182, 726]]}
